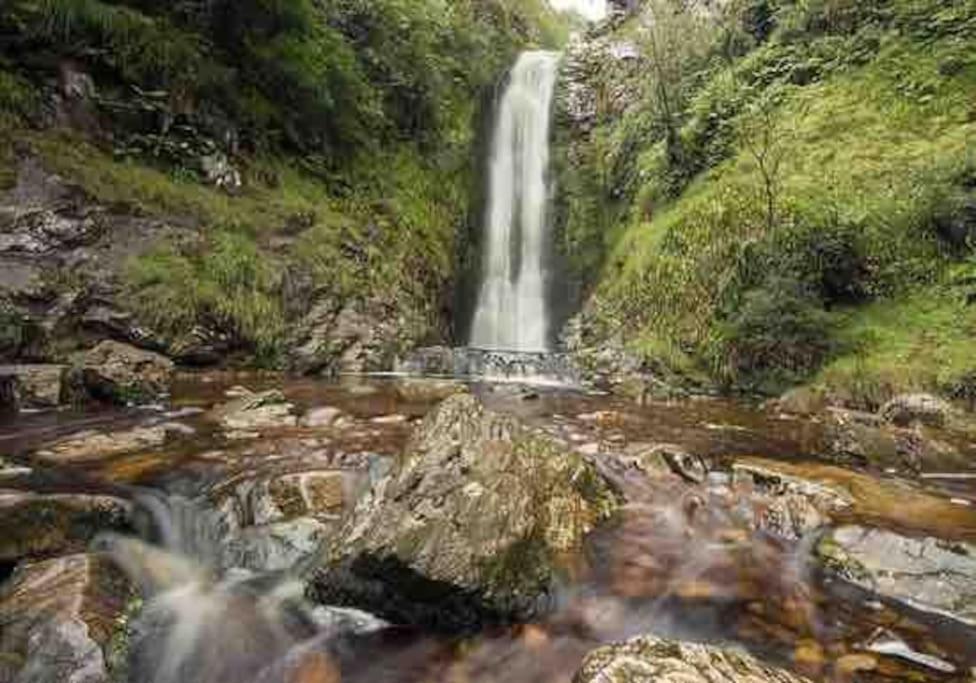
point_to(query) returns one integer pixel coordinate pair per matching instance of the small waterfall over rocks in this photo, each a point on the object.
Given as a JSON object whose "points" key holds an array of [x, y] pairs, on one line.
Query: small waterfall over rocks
{"points": [[511, 314]]}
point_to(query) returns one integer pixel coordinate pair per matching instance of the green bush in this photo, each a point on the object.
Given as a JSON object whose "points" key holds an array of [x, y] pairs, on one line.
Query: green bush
{"points": [[778, 335], [227, 285]]}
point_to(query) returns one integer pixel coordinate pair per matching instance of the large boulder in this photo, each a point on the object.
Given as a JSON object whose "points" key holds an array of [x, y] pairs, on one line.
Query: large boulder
{"points": [[468, 527], [647, 659], [33, 524], [929, 574], [121, 373], [59, 616]]}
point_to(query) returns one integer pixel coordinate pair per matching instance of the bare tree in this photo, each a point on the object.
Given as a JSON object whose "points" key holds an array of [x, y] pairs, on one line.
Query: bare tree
{"points": [[766, 135]]}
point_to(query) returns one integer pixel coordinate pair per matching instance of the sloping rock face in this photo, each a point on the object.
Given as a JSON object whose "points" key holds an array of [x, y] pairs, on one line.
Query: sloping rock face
{"points": [[468, 527], [61, 256], [929, 574], [121, 373], [652, 660], [58, 617]]}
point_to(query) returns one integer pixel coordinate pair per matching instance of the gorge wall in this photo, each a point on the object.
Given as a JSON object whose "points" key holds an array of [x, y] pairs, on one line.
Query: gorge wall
{"points": [[754, 195]]}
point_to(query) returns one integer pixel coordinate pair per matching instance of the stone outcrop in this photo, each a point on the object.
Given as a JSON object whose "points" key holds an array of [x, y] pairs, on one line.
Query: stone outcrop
{"points": [[121, 373], [909, 409], [59, 616], [34, 386], [36, 525], [647, 659], [468, 526], [926, 573]]}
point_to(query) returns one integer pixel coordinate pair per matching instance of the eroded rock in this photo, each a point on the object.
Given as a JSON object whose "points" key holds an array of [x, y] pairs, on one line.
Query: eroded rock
{"points": [[468, 526], [647, 659], [58, 617]]}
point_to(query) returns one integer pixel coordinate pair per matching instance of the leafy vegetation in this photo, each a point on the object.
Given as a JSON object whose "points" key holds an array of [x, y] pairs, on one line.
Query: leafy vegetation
{"points": [[349, 123], [803, 203]]}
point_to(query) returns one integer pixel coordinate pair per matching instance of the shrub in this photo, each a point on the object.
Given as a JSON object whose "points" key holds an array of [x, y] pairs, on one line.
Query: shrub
{"points": [[227, 285], [778, 335]]}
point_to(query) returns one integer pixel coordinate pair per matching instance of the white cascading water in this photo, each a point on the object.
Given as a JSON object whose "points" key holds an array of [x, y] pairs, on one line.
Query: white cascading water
{"points": [[511, 313]]}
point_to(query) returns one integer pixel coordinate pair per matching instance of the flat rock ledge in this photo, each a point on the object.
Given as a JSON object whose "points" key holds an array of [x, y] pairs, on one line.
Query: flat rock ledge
{"points": [[468, 528], [928, 574], [647, 659]]}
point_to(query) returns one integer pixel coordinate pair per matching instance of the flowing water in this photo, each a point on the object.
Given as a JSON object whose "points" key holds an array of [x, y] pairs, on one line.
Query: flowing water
{"points": [[681, 559], [511, 310]]}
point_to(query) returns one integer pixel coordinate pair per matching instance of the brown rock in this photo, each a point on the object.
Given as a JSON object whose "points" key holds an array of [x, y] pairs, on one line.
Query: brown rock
{"points": [[33, 525], [122, 374], [58, 617]]}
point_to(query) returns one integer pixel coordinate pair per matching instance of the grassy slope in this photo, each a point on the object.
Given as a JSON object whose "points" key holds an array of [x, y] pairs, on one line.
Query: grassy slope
{"points": [[873, 154], [378, 222]]}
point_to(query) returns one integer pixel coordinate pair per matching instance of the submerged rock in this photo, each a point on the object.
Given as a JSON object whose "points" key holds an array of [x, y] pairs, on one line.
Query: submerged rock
{"points": [[421, 390], [468, 526], [928, 574], [59, 616], [91, 446], [647, 659], [255, 411], [121, 373], [33, 525]]}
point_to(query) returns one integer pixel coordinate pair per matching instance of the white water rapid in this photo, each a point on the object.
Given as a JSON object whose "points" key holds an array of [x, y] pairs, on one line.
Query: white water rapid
{"points": [[511, 311]]}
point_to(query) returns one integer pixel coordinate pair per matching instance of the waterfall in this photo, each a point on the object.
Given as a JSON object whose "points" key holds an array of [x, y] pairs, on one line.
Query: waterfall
{"points": [[511, 311]]}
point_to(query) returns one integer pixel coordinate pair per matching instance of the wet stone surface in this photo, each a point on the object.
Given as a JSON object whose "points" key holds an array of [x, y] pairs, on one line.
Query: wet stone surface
{"points": [[735, 525]]}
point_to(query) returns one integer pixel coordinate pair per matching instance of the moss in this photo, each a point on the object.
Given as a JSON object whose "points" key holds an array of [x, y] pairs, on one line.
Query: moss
{"points": [[874, 122]]}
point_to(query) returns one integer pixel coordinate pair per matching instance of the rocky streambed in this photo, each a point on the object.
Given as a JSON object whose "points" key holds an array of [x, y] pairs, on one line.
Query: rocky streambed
{"points": [[253, 528]]}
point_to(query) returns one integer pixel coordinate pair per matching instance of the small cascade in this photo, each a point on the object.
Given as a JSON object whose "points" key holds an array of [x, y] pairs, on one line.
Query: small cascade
{"points": [[511, 313]]}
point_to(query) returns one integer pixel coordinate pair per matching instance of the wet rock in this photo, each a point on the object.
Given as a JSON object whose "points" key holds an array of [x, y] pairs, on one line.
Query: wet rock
{"points": [[926, 573], [428, 390], [646, 659], [92, 446], [255, 412], [806, 401], [909, 409], [321, 417], [787, 506], [58, 618], [274, 547], [35, 525], [120, 373], [686, 465], [863, 439], [35, 386], [467, 527]]}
